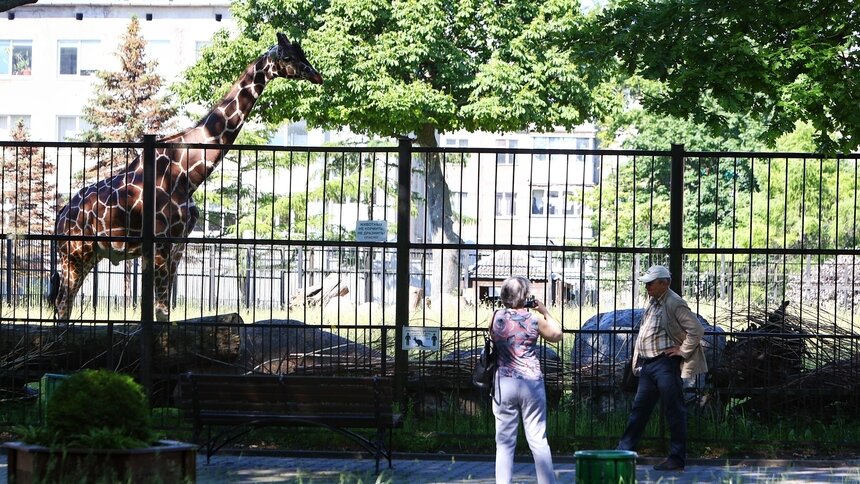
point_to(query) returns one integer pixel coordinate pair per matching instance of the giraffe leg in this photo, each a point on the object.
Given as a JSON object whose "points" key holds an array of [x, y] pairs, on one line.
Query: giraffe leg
{"points": [[69, 281], [165, 278]]}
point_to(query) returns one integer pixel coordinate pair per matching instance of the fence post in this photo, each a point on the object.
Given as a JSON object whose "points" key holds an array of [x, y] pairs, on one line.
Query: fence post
{"points": [[147, 300], [248, 275], [401, 303], [96, 288], [676, 218], [10, 272]]}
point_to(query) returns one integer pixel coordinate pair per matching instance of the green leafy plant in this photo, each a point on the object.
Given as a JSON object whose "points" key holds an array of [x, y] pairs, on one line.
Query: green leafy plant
{"points": [[96, 409]]}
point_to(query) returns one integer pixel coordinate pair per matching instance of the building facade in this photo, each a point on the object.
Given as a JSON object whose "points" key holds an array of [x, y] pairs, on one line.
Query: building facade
{"points": [[51, 50]]}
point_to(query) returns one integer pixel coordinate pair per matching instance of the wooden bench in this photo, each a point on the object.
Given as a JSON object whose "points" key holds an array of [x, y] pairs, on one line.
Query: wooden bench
{"points": [[238, 404]]}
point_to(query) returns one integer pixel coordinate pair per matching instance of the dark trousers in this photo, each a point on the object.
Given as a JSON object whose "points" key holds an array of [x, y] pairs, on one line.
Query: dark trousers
{"points": [[659, 379]]}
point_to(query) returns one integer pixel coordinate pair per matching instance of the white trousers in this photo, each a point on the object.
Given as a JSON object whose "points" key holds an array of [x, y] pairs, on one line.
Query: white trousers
{"points": [[517, 398]]}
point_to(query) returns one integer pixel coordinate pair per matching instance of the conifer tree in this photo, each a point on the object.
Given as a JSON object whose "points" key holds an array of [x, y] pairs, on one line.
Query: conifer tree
{"points": [[126, 106], [30, 205], [27, 187], [127, 103]]}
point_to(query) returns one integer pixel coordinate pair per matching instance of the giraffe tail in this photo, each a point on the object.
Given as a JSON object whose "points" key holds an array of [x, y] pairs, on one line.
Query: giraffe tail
{"points": [[54, 288]]}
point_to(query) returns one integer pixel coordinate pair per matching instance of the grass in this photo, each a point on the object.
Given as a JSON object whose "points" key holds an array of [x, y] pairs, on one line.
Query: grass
{"points": [[575, 426]]}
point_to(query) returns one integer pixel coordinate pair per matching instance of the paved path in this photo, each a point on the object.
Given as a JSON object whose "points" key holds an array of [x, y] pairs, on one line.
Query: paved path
{"points": [[226, 468]]}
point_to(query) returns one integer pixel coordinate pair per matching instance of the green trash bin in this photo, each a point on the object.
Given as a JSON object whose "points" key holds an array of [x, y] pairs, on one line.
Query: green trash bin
{"points": [[605, 466], [47, 386]]}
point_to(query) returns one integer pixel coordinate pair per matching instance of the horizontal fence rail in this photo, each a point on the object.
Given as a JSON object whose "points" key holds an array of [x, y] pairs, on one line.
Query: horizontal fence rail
{"points": [[329, 260]]}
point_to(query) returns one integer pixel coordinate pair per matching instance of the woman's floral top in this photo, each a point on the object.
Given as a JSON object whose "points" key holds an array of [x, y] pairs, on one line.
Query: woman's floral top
{"points": [[515, 334]]}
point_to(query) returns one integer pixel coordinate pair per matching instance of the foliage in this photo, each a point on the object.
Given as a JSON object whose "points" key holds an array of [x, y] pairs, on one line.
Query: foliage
{"points": [[766, 202], [127, 104], [27, 187], [392, 68], [96, 409], [635, 193], [409, 66], [779, 61]]}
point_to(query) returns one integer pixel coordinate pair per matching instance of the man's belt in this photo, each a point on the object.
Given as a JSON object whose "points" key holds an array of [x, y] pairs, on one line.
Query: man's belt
{"points": [[644, 361]]}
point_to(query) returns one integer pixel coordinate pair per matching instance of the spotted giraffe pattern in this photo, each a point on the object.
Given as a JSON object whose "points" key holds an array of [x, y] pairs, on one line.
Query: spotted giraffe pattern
{"points": [[113, 207]]}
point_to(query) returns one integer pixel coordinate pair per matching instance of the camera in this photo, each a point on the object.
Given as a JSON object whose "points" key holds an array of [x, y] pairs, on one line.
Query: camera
{"points": [[530, 302]]}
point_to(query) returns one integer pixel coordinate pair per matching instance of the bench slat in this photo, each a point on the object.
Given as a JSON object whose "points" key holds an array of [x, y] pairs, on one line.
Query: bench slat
{"points": [[293, 393], [290, 400]]}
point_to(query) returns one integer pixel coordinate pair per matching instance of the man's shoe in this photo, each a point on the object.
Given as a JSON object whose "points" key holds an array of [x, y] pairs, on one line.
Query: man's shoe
{"points": [[669, 465]]}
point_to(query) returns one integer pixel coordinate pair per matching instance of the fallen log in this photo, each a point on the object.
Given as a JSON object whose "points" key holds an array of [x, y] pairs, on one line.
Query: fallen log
{"points": [[31, 350]]}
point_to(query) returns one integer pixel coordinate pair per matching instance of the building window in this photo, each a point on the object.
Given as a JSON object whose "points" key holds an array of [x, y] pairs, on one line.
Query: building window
{"points": [[506, 205], [78, 57], [554, 202], [458, 201], [562, 143], [70, 127], [456, 143], [506, 158], [538, 201], [572, 207], [8, 124], [16, 57]]}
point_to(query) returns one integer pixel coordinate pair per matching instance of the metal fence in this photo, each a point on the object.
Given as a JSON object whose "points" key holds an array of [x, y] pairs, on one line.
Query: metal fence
{"points": [[321, 260]]}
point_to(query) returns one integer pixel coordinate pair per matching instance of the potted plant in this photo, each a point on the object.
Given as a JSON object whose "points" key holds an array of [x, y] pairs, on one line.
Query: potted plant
{"points": [[22, 64], [98, 429]]}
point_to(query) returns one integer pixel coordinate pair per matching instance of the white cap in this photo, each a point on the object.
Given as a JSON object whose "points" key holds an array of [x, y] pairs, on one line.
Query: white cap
{"points": [[655, 272]]}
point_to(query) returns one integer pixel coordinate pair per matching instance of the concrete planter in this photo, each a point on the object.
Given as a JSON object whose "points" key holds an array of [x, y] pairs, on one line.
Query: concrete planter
{"points": [[167, 461]]}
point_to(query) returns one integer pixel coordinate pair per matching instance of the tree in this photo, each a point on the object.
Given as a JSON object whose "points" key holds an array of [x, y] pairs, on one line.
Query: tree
{"points": [[781, 61], [126, 106], [416, 67], [27, 187], [127, 103], [640, 188], [30, 197]]}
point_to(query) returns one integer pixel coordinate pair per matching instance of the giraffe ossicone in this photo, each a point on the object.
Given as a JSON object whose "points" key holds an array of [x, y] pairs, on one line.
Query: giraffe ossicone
{"points": [[113, 207]]}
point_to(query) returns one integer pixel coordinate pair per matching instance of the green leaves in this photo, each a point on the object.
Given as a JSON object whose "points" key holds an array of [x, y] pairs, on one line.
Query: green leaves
{"points": [[779, 61], [97, 408], [392, 68]]}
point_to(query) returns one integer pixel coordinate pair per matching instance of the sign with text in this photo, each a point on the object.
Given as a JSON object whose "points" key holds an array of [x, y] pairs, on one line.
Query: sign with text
{"points": [[371, 231], [419, 338]]}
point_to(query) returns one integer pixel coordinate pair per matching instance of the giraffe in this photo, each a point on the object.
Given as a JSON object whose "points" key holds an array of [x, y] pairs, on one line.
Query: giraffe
{"points": [[113, 207]]}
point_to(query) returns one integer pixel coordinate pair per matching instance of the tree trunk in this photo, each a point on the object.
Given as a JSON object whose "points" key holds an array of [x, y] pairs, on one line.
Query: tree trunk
{"points": [[447, 266]]}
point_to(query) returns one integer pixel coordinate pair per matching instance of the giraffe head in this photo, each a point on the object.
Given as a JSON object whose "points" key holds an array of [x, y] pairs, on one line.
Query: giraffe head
{"points": [[288, 60]]}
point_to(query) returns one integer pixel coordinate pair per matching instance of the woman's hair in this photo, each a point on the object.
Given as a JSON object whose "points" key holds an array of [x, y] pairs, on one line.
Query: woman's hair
{"points": [[514, 291]]}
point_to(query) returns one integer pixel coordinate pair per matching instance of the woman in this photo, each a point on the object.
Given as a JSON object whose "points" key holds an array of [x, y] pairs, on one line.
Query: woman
{"points": [[519, 382]]}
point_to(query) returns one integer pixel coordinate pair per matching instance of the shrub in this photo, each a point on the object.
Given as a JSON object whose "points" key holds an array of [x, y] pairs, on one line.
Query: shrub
{"points": [[97, 409]]}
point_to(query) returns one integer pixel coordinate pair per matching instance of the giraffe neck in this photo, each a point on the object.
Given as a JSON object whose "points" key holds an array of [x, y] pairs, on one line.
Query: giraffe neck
{"points": [[222, 124]]}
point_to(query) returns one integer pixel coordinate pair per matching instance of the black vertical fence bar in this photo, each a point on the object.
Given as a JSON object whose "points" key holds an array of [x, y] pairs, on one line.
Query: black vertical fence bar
{"points": [[148, 238], [676, 217], [9, 271], [401, 304]]}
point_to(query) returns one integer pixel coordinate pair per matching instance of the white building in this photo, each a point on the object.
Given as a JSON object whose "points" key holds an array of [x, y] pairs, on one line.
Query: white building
{"points": [[50, 50], [527, 198], [66, 42]]}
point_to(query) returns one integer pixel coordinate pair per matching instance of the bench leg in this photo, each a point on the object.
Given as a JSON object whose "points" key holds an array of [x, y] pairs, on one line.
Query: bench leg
{"points": [[390, 434], [209, 445]]}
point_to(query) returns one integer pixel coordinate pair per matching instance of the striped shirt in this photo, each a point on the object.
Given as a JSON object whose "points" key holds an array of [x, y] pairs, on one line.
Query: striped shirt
{"points": [[653, 337]]}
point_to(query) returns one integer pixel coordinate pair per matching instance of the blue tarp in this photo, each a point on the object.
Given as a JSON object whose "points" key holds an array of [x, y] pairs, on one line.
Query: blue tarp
{"points": [[614, 341]]}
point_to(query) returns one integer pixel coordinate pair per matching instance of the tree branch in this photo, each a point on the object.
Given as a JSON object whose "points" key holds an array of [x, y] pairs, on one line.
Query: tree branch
{"points": [[10, 4]]}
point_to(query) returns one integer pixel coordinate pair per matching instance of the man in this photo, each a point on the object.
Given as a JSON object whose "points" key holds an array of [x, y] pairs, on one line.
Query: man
{"points": [[667, 349]]}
